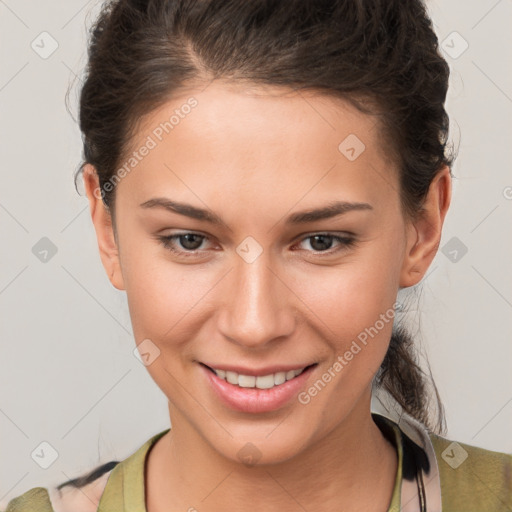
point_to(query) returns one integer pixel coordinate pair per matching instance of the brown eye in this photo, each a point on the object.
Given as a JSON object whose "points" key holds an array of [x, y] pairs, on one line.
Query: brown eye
{"points": [[188, 243], [322, 242]]}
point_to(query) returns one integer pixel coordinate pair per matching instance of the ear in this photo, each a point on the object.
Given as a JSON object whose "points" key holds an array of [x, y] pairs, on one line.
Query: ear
{"points": [[105, 233], [424, 234]]}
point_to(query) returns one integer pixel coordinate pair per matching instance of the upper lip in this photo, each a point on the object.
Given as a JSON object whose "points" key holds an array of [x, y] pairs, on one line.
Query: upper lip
{"points": [[259, 371]]}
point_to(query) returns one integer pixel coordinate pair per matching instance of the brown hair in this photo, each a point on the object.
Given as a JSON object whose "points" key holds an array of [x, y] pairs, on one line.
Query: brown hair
{"points": [[380, 55]]}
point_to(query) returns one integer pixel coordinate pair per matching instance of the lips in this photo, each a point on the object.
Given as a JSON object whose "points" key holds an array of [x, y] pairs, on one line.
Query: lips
{"points": [[251, 399]]}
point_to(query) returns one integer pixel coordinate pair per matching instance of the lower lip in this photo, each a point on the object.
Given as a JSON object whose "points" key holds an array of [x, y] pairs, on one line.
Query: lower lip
{"points": [[255, 400]]}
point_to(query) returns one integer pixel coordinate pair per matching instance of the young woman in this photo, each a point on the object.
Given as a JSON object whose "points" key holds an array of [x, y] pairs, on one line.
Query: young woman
{"points": [[263, 178]]}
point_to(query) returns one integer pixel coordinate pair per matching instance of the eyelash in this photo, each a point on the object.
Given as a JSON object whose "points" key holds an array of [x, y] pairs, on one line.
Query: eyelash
{"points": [[345, 241]]}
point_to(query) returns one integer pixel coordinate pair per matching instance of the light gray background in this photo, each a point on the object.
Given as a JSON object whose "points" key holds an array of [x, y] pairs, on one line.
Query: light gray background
{"points": [[67, 369]]}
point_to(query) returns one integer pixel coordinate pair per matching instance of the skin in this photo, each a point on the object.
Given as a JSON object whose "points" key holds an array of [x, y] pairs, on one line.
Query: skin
{"points": [[253, 157]]}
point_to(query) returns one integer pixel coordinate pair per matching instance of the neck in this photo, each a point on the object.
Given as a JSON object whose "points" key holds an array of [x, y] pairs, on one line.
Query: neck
{"points": [[336, 472]]}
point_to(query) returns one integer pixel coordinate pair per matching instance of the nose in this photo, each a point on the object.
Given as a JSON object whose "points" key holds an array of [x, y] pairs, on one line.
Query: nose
{"points": [[257, 308]]}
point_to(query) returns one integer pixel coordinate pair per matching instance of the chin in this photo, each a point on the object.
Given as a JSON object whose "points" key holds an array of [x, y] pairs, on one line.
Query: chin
{"points": [[262, 449]]}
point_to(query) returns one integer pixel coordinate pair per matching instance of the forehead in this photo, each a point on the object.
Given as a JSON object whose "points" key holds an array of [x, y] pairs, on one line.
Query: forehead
{"points": [[258, 140]]}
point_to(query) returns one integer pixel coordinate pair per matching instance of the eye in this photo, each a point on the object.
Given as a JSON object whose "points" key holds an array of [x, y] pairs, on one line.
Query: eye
{"points": [[322, 242], [189, 243]]}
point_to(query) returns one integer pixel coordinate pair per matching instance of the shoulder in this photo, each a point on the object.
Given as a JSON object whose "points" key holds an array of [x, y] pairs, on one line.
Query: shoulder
{"points": [[83, 499], [473, 478], [36, 498], [88, 492]]}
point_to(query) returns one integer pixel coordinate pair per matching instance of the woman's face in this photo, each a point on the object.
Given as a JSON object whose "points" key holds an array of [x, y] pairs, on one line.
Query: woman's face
{"points": [[257, 290]]}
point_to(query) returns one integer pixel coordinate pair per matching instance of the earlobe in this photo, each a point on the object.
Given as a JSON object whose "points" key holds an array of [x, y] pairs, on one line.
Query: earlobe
{"points": [[423, 235], [102, 220]]}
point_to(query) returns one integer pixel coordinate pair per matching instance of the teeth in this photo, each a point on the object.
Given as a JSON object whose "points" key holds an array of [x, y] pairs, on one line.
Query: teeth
{"points": [[264, 381], [260, 382], [246, 381], [279, 378], [231, 377]]}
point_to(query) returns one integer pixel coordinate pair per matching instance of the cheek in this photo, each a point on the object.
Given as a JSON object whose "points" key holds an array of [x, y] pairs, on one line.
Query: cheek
{"points": [[352, 296], [160, 293], [353, 306], [162, 299], [354, 313]]}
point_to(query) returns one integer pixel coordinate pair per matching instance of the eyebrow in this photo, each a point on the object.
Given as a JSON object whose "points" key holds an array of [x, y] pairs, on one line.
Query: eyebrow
{"points": [[331, 210]]}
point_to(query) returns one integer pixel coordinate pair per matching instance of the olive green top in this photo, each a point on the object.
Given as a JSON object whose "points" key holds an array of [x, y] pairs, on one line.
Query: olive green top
{"points": [[472, 480]]}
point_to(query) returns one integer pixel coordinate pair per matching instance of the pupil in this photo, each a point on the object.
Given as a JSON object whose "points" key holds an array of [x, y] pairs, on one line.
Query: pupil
{"points": [[187, 241], [323, 245]]}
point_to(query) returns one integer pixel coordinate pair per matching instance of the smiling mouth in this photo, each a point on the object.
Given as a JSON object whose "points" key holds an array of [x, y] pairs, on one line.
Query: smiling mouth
{"points": [[262, 381]]}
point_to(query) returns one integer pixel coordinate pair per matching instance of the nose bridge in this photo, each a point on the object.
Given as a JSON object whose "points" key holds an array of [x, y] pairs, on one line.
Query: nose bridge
{"points": [[255, 310]]}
